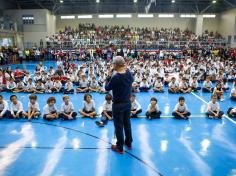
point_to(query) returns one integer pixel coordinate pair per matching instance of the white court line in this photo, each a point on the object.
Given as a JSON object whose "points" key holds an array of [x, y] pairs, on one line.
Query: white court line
{"points": [[225, 116]]}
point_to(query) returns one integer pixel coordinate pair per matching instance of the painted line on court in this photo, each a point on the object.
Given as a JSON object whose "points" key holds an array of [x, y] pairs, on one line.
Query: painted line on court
{"points": [[96, 137], [225, 116], [65, 148]]}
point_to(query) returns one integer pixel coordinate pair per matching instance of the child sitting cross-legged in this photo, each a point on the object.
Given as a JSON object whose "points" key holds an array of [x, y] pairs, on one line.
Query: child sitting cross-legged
{"points": [[16, 108], [67, 109], [50, 110], [214, 109], [88, 107], [153, 111], [181, 110], [106, 111], [158, 86], [135, 107], [33, 108], [232, 112]]}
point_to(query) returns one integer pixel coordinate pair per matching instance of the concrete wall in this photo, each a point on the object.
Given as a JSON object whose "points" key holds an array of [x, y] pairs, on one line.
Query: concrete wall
{"points": [[44, 24]]}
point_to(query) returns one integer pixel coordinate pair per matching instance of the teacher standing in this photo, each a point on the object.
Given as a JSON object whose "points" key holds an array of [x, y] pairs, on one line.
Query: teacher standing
{"points": [[121, 86]]}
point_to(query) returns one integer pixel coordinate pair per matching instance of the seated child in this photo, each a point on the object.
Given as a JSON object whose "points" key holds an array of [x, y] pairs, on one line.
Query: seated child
{"points": [[214, 109], [207, 85], [69, 87], [144, 86], [225, 85], [83, 86], [93, 86], [106, 111], [19, 87], [50, 110], [153, 111], [49, 86], [173, 86], [88, 107], [39, 87], [219, 92], [184, 86], [4, 112], [11, 85], [181, 110], [30, 86], [57, 86], [158, 86], [233, 93], [33, 108], [67, 109], [232, 112], [16, 108], [135, 107], [135, 87], [166, 79], [194, 85]]}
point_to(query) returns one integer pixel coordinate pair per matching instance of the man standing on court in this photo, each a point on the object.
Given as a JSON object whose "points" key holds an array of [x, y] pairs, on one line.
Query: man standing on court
{"points": [[121, 85]]}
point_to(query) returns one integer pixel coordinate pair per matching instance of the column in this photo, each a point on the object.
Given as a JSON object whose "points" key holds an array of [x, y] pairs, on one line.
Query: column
{"points": [[199, 25]]}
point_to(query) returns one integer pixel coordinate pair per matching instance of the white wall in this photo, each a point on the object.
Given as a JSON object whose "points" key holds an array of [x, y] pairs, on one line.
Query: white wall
{"points": [[44, 24]]}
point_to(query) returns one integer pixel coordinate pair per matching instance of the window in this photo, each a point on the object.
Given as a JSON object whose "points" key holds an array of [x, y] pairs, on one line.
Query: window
{"points": [[28, 19]]}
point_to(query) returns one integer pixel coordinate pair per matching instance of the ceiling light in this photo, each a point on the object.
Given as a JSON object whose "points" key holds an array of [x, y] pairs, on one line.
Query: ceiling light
{"points": [[84, 16], [61, 1], [67, 17], [173, 1], [135, 1], [97, 1], [187, 16], [123, 16], [209, 16], [214, 2], [145, 15], [106, 16]]}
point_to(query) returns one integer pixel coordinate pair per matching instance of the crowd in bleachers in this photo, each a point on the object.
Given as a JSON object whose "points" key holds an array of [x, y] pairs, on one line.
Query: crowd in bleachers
{"points": [[86, 34]]}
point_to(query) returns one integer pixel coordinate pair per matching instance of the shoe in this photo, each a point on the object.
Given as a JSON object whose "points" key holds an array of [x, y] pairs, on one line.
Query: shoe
{"points": [[129, 147], [222, 99], [100, 124], [115, 149]]}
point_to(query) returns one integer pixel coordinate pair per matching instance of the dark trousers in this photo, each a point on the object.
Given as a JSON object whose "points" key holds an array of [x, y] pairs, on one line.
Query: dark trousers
{"points": [[153, 115], [7, 114], [121, 118], [231, 115], [64, 117], [195, 89], [206, 90], [233, 98], [69, 91], [136, 114], [221, 113], [144, 89], [104, 118], [177, 116]]}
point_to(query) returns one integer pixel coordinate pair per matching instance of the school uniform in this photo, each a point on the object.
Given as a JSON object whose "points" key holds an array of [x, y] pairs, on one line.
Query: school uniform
{"points": [[181, 109], [37, 79], [83, 84], [108, 108], [144, 87], [233, 91], [26, 79], [30, 86], [33, 107], [57, 85], [17, 109], [48, 86], [69, 88], [154, 114], [195, 86], [233, 113], [20, 86], [93, 85], [207, 85], [214, 107], [11, 86], [135, 106], [88, 107], [49, 110], [67, 109], [5, 113], [158, 85], [173, 86], [40, 88]]}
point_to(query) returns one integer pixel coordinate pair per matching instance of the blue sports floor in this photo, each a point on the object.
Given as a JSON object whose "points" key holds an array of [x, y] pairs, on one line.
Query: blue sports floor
{"points": [[169, 147]]}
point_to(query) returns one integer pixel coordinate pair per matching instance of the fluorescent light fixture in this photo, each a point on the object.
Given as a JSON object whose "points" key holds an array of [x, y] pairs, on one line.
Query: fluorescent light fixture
{"points": [[214, 2], [106, 16], [123, 16], [68, 17], [145, 15], [173, 1], [85, 16], [187, 16], [135, 1], [97, 1], [166, 15], [61, 1], [209, 16]]}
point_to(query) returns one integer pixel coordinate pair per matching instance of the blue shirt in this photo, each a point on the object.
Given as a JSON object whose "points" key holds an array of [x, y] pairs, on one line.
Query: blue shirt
{"points": [[121, 86]]}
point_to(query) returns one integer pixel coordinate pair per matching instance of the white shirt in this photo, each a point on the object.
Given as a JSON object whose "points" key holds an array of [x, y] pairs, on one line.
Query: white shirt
{"points": [[180, 108], [33, 107], [156, 107], [135, 105], [67, 108], [213, 106], [11, 85], [107, 106], [57, 84], [16, 107], [30, 86], [144, 84], [233, 91], [48, 109], [49, 85], [3, 107], [173, 85], [207, 84], [89, 106], [69, 86], [158, 84]]}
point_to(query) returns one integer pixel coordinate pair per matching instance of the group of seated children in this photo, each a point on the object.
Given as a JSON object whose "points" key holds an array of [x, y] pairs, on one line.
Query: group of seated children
{"points": [[66, 111]]}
